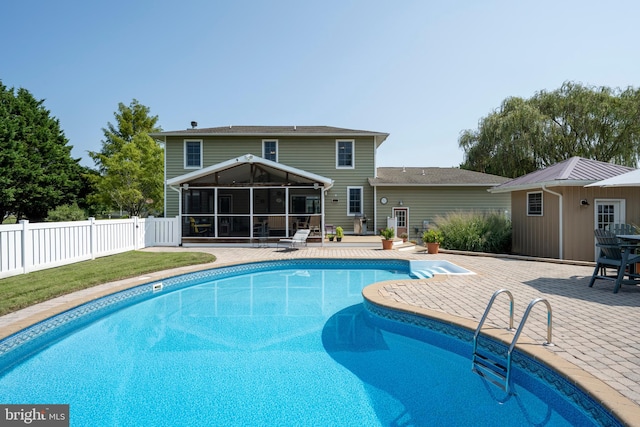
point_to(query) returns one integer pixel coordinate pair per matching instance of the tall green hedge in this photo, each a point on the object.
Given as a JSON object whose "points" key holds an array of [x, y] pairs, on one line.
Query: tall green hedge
{"points": [[475, 231]]}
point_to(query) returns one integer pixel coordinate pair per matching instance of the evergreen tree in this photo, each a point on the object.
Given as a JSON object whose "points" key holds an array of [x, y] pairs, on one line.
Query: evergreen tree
{"points": [[37, 172]]}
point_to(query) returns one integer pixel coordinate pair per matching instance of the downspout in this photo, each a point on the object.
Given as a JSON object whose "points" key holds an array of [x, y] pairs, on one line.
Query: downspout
{"points": [[560, 220], [166, 193]]}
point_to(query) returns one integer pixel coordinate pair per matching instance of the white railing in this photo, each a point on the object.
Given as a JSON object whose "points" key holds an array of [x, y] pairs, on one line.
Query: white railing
{"points": [[27, 247]]}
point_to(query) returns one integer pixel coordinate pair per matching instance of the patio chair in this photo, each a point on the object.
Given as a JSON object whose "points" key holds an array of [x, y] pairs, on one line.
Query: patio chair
{"points": [[619, 229], [298, 239], [615, 254], [198, 229]]}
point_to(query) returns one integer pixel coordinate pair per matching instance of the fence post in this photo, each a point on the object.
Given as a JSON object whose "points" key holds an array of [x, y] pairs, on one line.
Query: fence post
{"points": [[136, 234], [92, 237], [149, 223], [177, 230], [27, 249]]}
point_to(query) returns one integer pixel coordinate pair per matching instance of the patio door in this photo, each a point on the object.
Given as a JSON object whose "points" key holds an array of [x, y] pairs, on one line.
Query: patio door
{"points": [[402, 220]]}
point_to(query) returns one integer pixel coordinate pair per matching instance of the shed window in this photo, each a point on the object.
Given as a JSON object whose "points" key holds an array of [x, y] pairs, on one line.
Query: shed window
{"points": [[534, 204]]}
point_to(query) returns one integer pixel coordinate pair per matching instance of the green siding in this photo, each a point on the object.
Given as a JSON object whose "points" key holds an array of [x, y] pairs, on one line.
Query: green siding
{"points": [[427, 203], [312, 154]]}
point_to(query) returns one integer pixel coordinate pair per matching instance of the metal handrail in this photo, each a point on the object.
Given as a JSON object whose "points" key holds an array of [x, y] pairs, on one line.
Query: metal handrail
{"points": [[486, 313], [517, 335]]}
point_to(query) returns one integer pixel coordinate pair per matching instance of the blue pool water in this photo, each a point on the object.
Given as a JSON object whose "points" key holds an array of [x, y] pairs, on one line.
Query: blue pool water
{"points": [[286, 343]]}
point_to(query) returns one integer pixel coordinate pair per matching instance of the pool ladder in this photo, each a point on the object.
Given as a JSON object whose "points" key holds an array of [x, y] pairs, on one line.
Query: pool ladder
{"points": [[490, 366]]}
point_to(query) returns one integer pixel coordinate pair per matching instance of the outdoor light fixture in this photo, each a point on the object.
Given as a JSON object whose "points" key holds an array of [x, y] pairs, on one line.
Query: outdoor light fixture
{"points": [[584, 202], [400, 203]]}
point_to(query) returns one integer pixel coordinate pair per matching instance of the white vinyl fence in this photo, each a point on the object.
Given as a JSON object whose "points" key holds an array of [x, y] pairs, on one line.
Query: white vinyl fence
{"points": [[27, 247]]}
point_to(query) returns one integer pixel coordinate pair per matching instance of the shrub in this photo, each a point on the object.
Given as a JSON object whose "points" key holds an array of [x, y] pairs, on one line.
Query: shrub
{"points": [[432, 236], [476, 231], [387, 233], [66, 213]]}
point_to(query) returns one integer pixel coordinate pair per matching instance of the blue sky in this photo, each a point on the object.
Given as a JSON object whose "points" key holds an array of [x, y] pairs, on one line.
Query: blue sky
{"points": [[422, 71]]}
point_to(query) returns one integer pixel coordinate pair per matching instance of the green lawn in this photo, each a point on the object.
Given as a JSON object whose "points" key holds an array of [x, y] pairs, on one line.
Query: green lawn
{"points": [[27, 289]]}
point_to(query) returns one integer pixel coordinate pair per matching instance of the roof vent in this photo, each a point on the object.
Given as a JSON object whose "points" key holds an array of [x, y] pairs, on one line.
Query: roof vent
{"points": [[422, 171], [194, 125], [294, 127], [404, 169]]}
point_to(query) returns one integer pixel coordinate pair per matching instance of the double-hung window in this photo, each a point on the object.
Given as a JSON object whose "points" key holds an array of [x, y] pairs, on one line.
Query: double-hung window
{"points": [[354, 201], [345, 154], [534, 203], [270, 149], [193, 154]]}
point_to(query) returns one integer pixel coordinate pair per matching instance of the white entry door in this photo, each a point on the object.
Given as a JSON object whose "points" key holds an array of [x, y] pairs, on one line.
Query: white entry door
{"points": [[608, 212]]}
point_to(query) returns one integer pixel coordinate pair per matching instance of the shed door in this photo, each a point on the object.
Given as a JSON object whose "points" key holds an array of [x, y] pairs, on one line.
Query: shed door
{"points": [[608, 212]]}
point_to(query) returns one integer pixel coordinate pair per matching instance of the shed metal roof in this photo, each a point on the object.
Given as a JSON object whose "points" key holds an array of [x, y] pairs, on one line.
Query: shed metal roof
{"points": [[576, 171]]}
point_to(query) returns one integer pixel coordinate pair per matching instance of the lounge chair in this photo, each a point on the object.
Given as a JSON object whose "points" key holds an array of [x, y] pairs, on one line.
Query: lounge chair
{"points": [[298, 239], [618, 255]]}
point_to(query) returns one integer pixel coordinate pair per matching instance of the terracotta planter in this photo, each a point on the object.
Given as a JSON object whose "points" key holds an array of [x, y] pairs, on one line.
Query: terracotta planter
{"points": [[387, 244], [432, 248]]}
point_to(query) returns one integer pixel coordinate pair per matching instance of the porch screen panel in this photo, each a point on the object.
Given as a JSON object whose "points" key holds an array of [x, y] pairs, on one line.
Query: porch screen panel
{"points": [[268, 201], [197, 201]]}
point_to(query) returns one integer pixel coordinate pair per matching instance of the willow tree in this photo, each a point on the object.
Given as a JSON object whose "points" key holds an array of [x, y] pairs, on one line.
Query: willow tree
{"points": [[130, 164], [524, 135]]}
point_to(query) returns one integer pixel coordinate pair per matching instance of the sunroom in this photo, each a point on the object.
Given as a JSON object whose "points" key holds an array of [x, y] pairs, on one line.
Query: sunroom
{"points": [[249, 198]]}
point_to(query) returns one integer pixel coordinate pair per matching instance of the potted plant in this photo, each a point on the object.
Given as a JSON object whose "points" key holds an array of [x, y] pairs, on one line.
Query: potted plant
{"points": [[330, 236], [387, 238], [339, 233], [432, 238], [404, 237]]}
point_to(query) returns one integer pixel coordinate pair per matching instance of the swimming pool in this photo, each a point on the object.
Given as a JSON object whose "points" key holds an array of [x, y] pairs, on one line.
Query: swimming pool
{"points": [[275, 343]]}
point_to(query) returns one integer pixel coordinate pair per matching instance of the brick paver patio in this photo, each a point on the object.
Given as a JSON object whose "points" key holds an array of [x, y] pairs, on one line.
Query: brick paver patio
{"points": [[593, 328]]}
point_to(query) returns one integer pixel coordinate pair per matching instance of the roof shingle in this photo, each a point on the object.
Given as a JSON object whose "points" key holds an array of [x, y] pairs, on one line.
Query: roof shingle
{"points": [[393, 176]]}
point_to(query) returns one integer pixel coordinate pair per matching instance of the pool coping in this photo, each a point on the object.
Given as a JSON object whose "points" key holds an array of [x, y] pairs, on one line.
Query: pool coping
{"points": [[624, 409]]}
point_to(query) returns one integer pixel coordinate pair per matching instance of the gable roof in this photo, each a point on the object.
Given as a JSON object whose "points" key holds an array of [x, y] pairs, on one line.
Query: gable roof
{"points": [[392, 176], [576, 171], [235, 167], [274, 131]]}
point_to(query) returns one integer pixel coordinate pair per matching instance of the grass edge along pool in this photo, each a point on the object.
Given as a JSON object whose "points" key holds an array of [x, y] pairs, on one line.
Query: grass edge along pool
{"points": [[22, 344]]}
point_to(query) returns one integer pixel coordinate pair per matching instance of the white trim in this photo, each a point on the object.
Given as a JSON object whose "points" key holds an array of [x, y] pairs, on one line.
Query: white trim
{"points": [[353, 154], [249, 158], [541, 203], [349, 200], [184, 153], [277, 149]]}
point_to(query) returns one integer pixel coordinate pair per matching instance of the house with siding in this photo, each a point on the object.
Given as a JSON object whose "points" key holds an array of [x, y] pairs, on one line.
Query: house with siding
{"points": [[242, 183], [554, 214], [415, 197]]}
